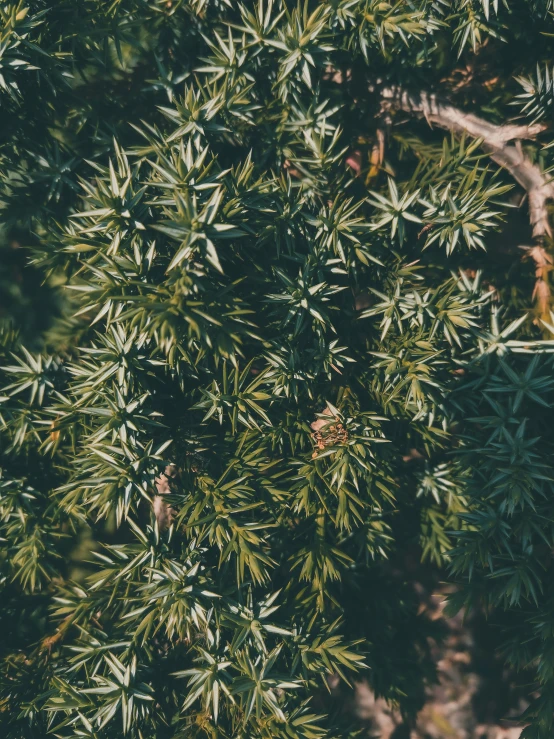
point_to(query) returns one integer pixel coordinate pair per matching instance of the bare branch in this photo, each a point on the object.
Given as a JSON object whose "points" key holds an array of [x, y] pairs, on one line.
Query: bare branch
{"points": [[163, 511], [496, 142]]}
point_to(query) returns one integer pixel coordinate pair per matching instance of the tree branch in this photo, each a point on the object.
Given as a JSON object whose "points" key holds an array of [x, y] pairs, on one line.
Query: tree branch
{"points": [[496, 142], [163, 511]]}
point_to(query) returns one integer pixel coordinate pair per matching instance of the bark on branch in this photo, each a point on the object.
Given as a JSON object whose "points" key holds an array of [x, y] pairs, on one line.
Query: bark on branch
{"points": [[503, 144], [495, 140], [163, 511]]}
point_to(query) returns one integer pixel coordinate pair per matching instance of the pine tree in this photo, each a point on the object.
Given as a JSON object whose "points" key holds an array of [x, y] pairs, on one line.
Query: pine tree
{"points": [[286, 331]]}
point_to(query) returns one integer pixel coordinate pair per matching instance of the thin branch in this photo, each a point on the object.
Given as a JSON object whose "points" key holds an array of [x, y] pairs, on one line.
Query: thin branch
{"points": [[163, 511], [496, 142]]}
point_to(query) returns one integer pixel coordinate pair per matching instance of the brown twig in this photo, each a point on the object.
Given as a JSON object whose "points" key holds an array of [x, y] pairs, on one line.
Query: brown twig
{"points": [[377, 155], [163, 511]]}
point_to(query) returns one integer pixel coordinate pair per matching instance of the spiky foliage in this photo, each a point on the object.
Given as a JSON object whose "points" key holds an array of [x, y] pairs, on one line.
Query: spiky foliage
{"points": [[290, 346]]}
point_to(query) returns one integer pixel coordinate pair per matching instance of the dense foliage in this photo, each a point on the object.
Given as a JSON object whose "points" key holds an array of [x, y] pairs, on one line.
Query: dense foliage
{"points": [[284, 338]]}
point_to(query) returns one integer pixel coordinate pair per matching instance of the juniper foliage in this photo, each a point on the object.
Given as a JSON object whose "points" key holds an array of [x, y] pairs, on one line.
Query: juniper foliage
{"points": [[289, 338]]}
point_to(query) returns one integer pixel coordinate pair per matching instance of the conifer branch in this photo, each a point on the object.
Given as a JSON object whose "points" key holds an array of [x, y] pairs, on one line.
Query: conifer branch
{"points": [[497, 142]]}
